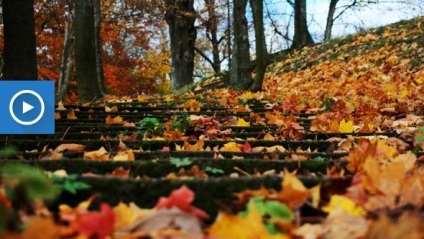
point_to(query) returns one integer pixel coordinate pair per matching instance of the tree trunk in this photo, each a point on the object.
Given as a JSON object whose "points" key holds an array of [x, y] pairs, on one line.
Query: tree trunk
{"points": [[330, 19], [85, 52], [240, 74], [260, 45], [98, 42], [212, 28], [66, 64], [180, 16], [302, 37], [20, 61]]}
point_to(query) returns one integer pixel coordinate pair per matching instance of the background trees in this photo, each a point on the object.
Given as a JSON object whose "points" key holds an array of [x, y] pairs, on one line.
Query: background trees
{"points": [[134, 48]]}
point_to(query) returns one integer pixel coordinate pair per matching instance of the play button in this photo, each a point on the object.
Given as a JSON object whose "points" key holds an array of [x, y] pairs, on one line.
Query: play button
{"points": [[26, 107], [28, 116]]}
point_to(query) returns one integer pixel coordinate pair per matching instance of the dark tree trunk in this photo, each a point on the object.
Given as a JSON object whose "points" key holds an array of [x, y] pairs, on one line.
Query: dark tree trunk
{"points": [[98, 42], [20, 61], [260, 45], [302, 37], [66, 64], [240, 74], [330, 19], [180, 16], [85, 52]]}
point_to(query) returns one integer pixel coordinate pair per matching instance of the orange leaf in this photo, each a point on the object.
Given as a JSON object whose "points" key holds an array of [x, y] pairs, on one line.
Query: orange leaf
{"points": [[100, 154]]}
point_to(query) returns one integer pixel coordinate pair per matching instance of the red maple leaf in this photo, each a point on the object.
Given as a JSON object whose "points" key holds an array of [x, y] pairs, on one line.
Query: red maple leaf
{"points": [[182, 199]]}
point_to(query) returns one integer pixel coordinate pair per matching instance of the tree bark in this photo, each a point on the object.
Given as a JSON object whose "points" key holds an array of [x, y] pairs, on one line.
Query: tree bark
{"points": [[330, 19], [240, 74], [20, 61], [66, 64], [302, 37], [85, 52], [212, 28], [180, 16], [260, 45], [98, 42]]}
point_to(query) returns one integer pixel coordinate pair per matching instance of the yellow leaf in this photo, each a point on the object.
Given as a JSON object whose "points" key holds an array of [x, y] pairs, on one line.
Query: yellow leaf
{"points": [[268, 136], [231, 146], [249, 227], [346, 204], [127, 214], [242, 123], [346, 127]]}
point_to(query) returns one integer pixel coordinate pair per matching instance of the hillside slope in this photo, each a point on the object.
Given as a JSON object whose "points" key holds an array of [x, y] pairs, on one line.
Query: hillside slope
{"points": [[380, 68]]}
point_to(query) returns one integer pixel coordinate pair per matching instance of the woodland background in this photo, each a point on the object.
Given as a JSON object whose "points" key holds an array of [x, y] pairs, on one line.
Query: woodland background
{"points": [[134, 39]]}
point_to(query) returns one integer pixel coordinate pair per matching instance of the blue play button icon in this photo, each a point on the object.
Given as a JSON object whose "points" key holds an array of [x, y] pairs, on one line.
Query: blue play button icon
{"points": [[30, 107]]}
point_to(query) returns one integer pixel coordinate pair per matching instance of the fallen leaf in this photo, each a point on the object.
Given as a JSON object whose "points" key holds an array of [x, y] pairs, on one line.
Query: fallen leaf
{"points": [[70, 148], [124, 156], [346, 127], [100, 154], [115, 120]]}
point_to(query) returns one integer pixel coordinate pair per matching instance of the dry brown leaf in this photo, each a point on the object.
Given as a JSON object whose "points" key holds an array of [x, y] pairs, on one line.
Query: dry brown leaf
{"points": [[70, 148], [100, 154], [124, 156]]}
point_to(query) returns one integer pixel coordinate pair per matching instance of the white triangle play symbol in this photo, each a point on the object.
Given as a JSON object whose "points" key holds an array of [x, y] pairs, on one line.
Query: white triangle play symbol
{"points": [[26, 107]]}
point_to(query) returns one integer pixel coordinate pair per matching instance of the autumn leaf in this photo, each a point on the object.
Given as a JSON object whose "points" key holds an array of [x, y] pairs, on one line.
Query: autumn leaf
{"points": [[100, 154], [71, 114], [242, 123], [124, 156], [268, 136], [70, 148], [345, 204], [37, 227], [198, 146], [249, 227], [346, 127], [182, 199], [294, 193], [125, 214], [115, 120], [231, 147], [97, 224]]}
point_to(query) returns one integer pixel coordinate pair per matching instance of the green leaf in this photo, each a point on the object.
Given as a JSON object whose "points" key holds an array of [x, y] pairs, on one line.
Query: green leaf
{"points": [[180, 162], [149, 122], [319, 159], [257, 203], [70, 183], [277, 210], [31, 179], [214, 170]]}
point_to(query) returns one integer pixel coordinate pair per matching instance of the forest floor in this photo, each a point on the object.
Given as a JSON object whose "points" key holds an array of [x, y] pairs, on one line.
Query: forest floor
{"points": [[332, 147]]}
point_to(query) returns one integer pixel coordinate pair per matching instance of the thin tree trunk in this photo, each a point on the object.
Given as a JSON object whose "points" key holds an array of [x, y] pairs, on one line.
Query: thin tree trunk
{"points": [[330, 19], [98, 42], [85, 52], [20, 60], [180, 16], [212, 28], [260, 45], [66, 64], [240, 74], [302, 37]]}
